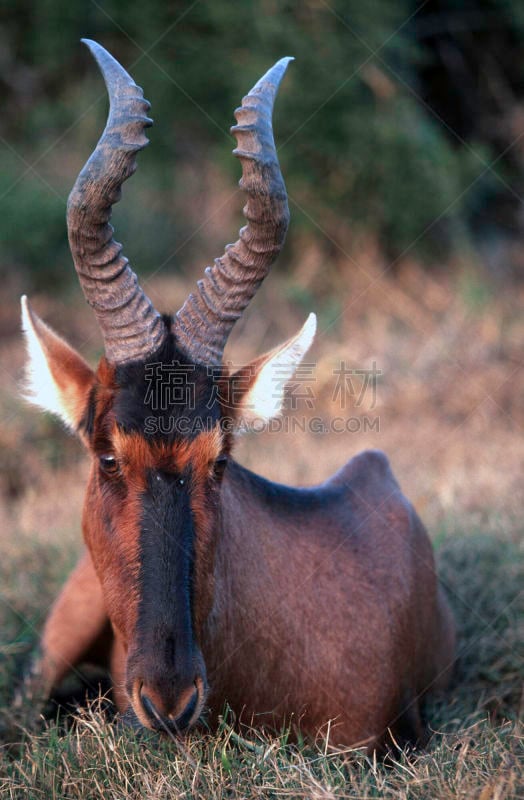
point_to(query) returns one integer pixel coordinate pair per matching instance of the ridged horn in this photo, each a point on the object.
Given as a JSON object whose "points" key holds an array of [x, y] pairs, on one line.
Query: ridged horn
{"points": [[131, 327], [204, 322]]}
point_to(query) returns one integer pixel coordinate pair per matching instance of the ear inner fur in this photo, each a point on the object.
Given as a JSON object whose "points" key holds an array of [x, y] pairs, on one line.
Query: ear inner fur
{"points": [[58, 379], [262, 384]]}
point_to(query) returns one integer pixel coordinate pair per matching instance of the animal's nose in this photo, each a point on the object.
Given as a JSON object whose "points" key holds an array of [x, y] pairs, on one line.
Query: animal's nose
{"points": [[162, 713]]}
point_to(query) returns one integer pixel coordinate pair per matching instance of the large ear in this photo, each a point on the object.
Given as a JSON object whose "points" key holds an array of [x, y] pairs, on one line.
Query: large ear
{"points": [[258, 389], [57, 379]]}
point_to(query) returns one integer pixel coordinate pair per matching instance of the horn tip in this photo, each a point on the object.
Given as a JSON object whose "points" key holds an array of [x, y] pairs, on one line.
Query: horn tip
{"points": [[109, 66], [274, 74], [102, 56], [282, 64], [92, 45]]}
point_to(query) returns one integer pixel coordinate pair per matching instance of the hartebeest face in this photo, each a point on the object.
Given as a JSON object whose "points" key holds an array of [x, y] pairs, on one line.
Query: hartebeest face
{"points": [[149, 523], [150, 515]]}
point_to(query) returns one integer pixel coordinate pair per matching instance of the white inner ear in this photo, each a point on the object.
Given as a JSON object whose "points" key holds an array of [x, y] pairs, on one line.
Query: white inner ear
{"points": [[266, 397], [39, 387]]}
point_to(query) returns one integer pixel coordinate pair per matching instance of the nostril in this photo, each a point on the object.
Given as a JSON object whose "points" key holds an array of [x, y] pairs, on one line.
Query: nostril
{"points": [[185, 715], [148, 705], [149, 708], [155, 711]]}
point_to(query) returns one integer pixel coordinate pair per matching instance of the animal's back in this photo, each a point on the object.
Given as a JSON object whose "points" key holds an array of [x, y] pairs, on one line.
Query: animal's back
{"points": [[330, 607]]}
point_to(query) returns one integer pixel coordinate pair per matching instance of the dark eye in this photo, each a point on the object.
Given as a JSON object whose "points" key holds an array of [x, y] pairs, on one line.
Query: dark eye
{"points": [[219, 466], [108, 464]]}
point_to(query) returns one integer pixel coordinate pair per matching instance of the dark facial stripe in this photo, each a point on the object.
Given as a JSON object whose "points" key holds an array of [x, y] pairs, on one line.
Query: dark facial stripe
{"points": [[164, 627], [87, 423]]}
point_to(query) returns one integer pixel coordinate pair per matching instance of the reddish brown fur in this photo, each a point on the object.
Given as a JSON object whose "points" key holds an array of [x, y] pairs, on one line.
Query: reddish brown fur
{"points": [[309, 605], [78, 619], [368, 541]]}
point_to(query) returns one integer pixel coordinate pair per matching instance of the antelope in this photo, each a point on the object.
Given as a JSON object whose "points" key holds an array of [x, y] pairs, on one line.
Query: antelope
{"points": [[202, 583]]}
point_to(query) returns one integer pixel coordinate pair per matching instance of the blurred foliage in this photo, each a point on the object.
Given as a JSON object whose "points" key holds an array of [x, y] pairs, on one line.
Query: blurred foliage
{"points": [[361, 148]]}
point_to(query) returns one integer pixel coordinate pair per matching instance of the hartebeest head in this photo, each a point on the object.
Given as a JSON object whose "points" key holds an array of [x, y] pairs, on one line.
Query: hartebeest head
{"points": [[157, 462]]}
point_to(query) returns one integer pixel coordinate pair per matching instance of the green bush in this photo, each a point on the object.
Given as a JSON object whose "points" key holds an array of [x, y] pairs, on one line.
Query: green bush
{"points": [[359, 149]]}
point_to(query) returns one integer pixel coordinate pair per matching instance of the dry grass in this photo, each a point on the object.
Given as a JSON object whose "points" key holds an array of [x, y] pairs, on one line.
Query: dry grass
{"points": [[450, 404], [97, 760]]}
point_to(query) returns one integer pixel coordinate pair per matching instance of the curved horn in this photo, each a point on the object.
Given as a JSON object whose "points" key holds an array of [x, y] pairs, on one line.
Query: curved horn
{"points": [[131, 327], [204, 322]]}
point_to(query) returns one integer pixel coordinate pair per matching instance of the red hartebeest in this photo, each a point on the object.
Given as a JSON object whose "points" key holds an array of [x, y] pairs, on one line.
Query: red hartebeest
{"points": [[290, 604]]}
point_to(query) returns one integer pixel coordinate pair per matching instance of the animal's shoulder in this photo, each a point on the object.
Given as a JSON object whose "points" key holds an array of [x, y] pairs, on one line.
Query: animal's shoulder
{"points": [[370, 469], [367, 487], [365, 483], [371, 503]]}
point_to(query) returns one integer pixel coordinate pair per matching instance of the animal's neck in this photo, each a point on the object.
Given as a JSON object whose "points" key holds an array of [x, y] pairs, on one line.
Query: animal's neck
{"points": [[259, 522], [271, 539], [243, 562], [248, 532]]}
